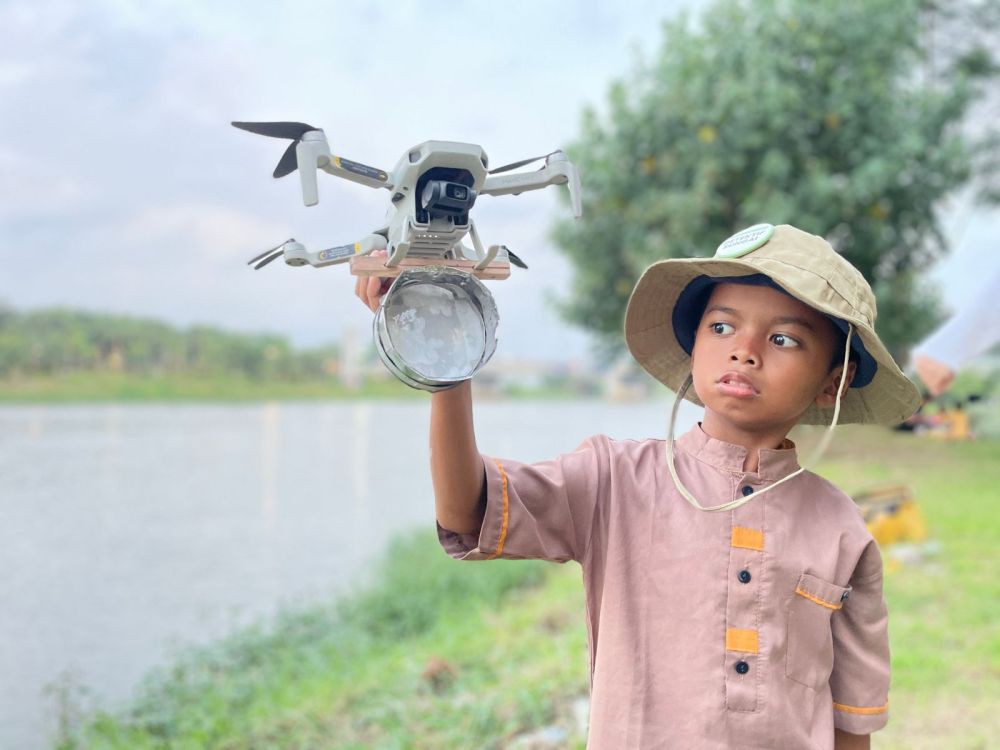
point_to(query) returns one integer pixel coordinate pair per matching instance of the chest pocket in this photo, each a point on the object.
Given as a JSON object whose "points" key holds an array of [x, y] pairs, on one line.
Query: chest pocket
{"points": [[809, 660]]}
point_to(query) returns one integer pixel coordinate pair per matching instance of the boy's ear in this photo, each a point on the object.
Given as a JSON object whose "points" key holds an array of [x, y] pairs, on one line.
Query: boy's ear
{"points": [[827, 397]]}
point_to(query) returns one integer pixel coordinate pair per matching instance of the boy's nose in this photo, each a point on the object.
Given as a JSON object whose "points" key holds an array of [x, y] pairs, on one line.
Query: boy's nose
{"points": [[744, 355]]}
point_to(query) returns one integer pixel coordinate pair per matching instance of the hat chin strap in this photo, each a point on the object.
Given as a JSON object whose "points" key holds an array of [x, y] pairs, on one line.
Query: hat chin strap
{"points": [[817, 454]]}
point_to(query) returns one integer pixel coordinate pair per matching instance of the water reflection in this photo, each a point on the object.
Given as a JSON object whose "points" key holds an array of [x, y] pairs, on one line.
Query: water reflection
{"points": [[269, 446]]}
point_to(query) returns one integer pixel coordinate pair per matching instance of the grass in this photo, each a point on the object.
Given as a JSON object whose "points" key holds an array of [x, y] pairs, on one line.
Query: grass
{"points": [[943, 611], [444, 654]]}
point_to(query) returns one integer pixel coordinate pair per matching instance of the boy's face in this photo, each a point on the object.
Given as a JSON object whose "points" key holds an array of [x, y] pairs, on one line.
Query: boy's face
{"points": [[760, 359]]}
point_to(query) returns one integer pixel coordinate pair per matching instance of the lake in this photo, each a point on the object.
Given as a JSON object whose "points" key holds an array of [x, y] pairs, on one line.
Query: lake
{"points": [[130, 531]]}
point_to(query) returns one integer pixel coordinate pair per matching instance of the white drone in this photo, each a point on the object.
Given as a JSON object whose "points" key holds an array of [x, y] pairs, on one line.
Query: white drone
{"points": [[433, 188]]}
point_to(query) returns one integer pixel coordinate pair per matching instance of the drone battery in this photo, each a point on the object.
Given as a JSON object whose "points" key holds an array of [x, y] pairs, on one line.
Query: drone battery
{"points": [[435, 327]]}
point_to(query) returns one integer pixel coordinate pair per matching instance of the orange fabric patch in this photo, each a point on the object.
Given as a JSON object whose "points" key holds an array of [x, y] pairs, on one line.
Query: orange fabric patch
{"points": [[821, 602], [506, 512], [865, 710], [741, 640], [747, 538]]}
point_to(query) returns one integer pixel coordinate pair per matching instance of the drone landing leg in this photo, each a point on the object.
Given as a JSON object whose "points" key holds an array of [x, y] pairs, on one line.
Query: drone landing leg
{"points": [[483, 258]]}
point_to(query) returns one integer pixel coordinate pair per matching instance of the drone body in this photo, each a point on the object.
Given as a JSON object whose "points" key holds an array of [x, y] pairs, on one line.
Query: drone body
{"points": [[433, 189]]}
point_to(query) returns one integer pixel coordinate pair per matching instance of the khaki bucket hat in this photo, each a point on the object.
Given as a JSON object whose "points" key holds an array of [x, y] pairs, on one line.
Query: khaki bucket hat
{"points": [[801, 264]]}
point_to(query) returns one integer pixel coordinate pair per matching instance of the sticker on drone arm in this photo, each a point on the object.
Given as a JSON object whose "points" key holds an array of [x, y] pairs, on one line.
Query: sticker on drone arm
{"points": [[340, 252], [362, 169], [745, 241]]}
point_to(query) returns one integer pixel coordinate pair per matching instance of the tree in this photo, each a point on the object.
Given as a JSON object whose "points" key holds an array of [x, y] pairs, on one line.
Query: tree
{"points": [[822, 115]]}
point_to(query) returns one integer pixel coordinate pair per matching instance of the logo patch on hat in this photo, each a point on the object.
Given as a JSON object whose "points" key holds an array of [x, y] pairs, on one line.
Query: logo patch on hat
{"points": [[745, 241]]}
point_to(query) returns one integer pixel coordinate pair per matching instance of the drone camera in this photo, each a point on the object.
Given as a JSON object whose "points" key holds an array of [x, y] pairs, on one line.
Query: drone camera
{"points": [[444, 198]]}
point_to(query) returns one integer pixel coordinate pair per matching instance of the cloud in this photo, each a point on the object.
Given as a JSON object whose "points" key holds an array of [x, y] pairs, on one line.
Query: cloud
{"points": [[213, 233], [30, 187], [123, 187]]}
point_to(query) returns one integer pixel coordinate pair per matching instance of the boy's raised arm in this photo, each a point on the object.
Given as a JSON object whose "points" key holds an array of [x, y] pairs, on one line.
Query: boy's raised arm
{"points": [[845, 741], [456, 466]]}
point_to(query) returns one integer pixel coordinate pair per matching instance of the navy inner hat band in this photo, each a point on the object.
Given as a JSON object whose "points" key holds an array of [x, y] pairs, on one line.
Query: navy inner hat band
{"points": [[693, 299]]}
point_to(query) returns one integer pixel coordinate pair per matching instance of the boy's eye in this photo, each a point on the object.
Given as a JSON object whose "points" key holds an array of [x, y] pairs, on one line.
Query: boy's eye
{"points": [[784, 341], [721, 328]]}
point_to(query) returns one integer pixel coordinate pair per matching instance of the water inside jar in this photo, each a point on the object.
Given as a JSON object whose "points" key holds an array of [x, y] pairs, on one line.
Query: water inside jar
{"points": [[436, 330]]}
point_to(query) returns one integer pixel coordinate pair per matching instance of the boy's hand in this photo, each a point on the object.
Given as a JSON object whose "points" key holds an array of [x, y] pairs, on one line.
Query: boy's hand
{"points": [[371, 288]]}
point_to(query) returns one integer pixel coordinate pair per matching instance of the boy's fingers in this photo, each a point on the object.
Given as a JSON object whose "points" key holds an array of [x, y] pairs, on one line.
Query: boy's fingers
{"points": [[369, 289], [377, 285]]}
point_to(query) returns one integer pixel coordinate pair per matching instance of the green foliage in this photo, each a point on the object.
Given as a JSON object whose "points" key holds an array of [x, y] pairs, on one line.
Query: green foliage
{"points": [[408, 600], [225, 694], [55, 341], [822, 115]]}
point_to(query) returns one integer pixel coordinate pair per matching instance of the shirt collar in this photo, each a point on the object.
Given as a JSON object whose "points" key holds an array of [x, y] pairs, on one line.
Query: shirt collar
{"points": [[774, 463]]}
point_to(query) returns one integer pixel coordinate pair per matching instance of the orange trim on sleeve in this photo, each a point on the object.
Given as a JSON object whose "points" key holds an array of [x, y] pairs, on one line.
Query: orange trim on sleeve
{"points": [[506, 512], [741, 640], [821, 602], [864, 710], [747, 538]]}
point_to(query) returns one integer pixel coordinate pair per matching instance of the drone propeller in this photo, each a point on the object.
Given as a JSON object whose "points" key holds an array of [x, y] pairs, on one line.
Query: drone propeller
{"points": [[268, 255], [522, 163], [294, 130]]}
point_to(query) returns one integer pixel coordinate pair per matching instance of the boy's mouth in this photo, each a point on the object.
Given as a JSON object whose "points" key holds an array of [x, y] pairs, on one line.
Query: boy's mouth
{"points": [[735, 384]]}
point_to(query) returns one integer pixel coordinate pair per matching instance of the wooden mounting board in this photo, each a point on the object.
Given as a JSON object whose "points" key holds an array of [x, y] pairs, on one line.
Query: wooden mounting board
{"points": [[366, 265]]}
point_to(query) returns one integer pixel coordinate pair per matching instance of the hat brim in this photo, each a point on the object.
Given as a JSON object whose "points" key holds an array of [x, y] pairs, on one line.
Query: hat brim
{"points": [[889, 398]]}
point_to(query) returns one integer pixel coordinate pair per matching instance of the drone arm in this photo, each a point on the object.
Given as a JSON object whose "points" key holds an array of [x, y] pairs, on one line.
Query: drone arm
{"points": [[556, 172], [513, 184], [312, 152], [354, 171], [296, 253]]}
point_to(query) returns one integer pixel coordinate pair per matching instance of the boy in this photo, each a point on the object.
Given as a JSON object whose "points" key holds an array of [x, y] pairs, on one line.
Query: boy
{"points": [[733, 600]]}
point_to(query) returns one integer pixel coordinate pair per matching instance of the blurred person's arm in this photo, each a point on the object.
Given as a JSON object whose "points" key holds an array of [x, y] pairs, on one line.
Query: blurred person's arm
{"points": [[456, 466], [967, 334], [934, 374]]}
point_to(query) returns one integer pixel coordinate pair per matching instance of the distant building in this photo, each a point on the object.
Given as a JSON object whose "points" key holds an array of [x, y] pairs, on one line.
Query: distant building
{"points": [[626, 381]]}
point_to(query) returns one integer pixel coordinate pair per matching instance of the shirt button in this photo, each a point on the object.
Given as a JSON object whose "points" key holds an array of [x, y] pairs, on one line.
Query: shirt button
{"points": [[747, 490], [742, 667], [744, 576]]}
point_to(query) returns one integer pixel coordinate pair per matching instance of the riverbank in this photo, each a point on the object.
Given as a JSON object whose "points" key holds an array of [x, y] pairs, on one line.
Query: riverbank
{"points": [[95, 387], [442, 654], [104, 387]]}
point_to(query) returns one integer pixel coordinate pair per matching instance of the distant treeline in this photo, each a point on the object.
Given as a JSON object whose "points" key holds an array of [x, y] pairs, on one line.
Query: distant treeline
{"points": [[52, 341]]}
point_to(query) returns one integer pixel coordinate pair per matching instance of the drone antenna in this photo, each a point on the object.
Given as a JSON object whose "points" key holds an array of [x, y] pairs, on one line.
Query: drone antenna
{"points": [[522, 163], [268, 255]]}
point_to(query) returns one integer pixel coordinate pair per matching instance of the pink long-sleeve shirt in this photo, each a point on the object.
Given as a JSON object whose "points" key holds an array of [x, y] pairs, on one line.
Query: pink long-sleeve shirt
{"points": [[760, 627]]}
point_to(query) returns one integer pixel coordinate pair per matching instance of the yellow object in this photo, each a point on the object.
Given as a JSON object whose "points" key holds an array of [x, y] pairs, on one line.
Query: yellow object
{"points": [[864, 710], [747, 538], [817, 600], [957, 421], [506, 512], [892, 515], [738, 639]]}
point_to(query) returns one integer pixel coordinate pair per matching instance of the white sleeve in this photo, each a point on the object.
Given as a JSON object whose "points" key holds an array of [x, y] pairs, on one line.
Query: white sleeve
{"points": [[970, 332]]}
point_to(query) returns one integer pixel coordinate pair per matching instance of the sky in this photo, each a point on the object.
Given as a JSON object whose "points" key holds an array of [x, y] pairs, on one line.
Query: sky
{"points": [[124, 189]]}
